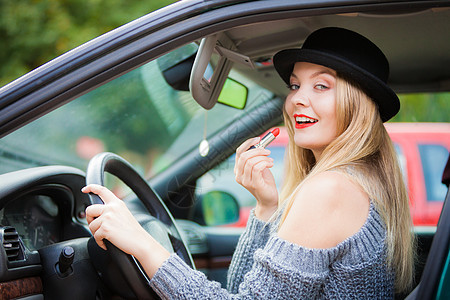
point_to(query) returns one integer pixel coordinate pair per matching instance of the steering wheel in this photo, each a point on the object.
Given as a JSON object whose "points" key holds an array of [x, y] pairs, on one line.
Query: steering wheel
{"points": [[162, 225]]}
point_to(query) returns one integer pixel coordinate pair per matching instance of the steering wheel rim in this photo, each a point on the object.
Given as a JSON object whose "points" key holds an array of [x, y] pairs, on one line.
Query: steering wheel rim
{"points": [[127, 264]]}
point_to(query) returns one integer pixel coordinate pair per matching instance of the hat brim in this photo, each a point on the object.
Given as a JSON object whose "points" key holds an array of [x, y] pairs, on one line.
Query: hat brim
{"points": [[386, 99]]}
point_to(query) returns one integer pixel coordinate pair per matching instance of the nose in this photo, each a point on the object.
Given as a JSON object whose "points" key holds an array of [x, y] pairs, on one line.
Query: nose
{"points": [[299, 98]]}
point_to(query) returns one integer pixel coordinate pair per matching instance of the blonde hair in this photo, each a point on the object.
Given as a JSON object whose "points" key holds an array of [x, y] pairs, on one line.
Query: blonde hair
{"points": [[364, 145]]}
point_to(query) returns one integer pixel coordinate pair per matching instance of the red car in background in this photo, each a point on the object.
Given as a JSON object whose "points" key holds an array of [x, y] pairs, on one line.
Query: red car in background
{"points": [[422, 149]]}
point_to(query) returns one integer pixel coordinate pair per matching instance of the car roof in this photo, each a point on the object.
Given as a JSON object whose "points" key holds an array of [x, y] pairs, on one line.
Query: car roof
{"points": [[415, 41]]}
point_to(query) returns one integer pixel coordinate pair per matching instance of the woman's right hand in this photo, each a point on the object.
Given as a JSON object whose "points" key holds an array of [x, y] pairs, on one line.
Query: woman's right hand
{"points": [[252, 172]]}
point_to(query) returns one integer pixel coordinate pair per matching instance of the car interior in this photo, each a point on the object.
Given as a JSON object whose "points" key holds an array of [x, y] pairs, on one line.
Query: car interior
{"points": [[150, 120]]}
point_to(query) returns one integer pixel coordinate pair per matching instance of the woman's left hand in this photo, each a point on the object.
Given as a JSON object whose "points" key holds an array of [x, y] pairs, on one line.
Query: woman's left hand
{"points": [[252, 171], [114, 222]]}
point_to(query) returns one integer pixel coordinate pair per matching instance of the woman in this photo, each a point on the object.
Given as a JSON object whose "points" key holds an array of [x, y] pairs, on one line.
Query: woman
{"points": [[341, 225]]}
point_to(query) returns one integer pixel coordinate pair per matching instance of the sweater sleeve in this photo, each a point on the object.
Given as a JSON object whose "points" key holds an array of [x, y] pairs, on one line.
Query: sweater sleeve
{"points": [[254, 237], [281, 270]]}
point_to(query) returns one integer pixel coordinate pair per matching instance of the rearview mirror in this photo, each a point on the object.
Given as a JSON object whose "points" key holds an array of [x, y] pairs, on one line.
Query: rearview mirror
{"points": [[176, 66], [233, 94]]}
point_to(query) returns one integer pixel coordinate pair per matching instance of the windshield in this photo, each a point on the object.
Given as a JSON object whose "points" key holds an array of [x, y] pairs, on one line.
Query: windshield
{"points": [[138, 116]]}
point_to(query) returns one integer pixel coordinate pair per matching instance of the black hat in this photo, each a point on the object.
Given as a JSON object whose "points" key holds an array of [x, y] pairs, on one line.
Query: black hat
{"points": [[349, 54]]}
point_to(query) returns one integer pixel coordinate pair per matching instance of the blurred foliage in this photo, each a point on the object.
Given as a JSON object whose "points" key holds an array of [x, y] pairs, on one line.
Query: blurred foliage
{"points": [[33, 32], [427, 107], [124, 118]]}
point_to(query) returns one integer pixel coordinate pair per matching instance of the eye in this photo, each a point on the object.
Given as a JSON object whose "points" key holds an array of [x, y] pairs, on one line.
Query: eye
{"points": [[293, 86], [320, 86]]}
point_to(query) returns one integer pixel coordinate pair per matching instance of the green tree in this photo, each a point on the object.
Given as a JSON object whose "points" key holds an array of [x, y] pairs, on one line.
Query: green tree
{"points": [[33, 32], [427, 107]]}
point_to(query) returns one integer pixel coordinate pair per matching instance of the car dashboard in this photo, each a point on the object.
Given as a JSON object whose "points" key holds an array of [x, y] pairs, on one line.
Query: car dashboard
{"points": [[42, 209], [42, 213], [39, 208], [36, 218]]}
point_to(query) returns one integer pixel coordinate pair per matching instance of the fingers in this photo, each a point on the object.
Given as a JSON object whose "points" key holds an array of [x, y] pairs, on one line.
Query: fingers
{"points": [[252, 176], [247, 158], [112, 221], [250, 166], [243, 149], [98, 232], [105, 194], [247, 144], [93, 212]]}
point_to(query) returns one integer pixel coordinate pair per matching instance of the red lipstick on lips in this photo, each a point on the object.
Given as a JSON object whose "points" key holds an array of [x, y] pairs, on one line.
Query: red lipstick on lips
{"points": [[303, 125]]}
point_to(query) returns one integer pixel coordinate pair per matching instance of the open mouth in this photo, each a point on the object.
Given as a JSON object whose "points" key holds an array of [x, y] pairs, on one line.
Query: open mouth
{"points": [[304, 120]]}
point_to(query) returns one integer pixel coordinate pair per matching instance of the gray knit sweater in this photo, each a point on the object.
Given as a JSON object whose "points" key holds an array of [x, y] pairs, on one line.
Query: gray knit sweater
{"points": [[265, 266]]}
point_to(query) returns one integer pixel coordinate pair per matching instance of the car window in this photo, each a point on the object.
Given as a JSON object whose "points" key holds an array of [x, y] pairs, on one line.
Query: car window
{"points": [[138, 116], [222, 178], [433, 159]]}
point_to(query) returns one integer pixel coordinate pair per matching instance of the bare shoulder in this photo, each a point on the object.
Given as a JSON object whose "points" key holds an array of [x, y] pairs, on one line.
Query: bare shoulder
{"points": [[328, 208]]}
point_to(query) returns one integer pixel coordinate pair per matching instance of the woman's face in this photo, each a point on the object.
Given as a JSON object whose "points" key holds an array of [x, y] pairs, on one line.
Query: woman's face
{"points": [[311, 106]]}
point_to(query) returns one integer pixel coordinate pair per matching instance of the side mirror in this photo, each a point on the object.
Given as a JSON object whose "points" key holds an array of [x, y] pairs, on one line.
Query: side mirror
{"points": [[216, 208]]}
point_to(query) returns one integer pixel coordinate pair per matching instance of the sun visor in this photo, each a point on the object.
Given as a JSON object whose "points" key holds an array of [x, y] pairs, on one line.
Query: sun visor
{"points": [[213, 62]]}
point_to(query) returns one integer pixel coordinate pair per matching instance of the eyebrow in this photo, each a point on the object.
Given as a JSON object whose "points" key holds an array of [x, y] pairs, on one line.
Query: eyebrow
{"points": [[324, 71], [315, 74]]}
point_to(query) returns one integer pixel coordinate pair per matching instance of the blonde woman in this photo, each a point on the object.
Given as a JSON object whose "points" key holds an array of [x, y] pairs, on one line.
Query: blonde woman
{"points": [[341, 226]]}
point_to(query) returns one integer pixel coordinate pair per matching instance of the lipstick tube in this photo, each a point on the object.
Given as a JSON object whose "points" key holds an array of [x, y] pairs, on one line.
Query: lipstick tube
{"points": [[267, 139]]}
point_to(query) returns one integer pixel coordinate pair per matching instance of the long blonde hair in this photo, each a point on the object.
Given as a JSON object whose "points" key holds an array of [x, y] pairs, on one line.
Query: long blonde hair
{"points": [[363, 144]]}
